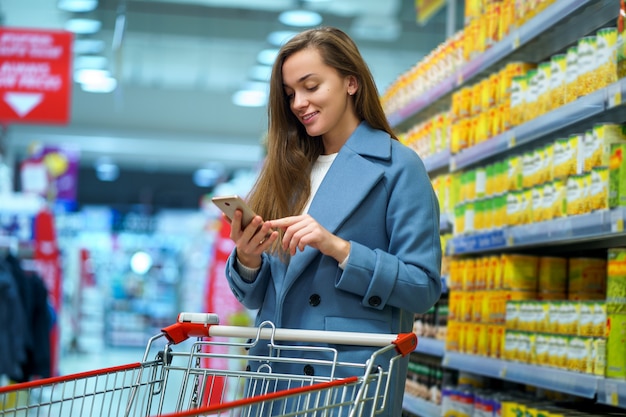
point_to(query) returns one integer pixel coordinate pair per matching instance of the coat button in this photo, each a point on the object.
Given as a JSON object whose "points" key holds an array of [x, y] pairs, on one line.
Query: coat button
{"points": [[309, 370], [374, 301], [315, 300]]}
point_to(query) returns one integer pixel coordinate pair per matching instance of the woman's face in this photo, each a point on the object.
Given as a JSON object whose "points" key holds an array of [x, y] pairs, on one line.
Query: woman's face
{"points": [[320, 98]]}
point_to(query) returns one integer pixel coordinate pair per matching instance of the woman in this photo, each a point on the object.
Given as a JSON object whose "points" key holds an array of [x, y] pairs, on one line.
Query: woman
{"points": [[346, 236]]}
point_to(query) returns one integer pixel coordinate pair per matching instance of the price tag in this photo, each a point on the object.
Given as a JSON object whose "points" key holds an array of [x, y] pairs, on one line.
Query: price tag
{"points": [[503, 372], [615, 95], [459, 78], [453, 164], [510, 241], [516, 41], [617, 222], [610, 392], [511, 142]]}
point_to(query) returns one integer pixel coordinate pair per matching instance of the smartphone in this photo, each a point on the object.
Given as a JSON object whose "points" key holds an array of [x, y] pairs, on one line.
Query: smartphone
{"points": [[228, 204]]}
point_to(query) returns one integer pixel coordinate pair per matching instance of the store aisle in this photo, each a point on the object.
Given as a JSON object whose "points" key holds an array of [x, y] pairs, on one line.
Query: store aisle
{"points": [[88, 361]]}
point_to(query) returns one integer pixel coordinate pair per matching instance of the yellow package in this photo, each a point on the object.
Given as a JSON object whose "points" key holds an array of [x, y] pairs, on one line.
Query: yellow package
{"points": [[513, 208], [576, 194], [512, 314], [557, 81], [519, 88], [496, 336], [586, 318], [617, 175], [599, 189], [452, 336], [543, 87], [525, 346], [552, 274], [616, 276], [520, 272], [598, 357], [561, 350], [579, 354], [599, 319], [537, 209], [482, 339], [530, 98], [554, 316], [559, 198], [529, 169], [571, 74], [615, 345], [587, 275], [606, 56], [569, 318], [510, 347], [587, 59], [561, 159], [598, 148], [468, 274], [514, 173], [542, 350]]}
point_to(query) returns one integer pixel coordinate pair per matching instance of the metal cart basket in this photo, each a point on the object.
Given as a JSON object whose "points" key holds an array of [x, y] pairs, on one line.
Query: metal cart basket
{"points": [[180, 384]]}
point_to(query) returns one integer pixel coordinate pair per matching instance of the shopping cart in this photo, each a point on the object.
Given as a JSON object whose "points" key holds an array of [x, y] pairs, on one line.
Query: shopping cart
{"points": [[177, 384]]}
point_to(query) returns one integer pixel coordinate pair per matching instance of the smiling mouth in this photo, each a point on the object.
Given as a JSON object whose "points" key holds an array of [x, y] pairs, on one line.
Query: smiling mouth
{"points": [[307, 117]]}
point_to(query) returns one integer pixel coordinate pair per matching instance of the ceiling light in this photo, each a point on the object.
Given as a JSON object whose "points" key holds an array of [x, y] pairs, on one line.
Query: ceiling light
{"points": [[267, 56], [88, 46], [103, 85], [83, 26], [280, 37], [95, 80], [77, 6], [140, 263], [90, 62], [87, 75], [260, 73], [250, 98], [300, 18]]}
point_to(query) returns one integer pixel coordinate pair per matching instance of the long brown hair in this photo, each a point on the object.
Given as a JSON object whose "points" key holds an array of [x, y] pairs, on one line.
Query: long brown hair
{"points": [[283, 186]]}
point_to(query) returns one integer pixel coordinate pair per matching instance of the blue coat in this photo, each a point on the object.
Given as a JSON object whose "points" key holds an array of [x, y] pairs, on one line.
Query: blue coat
{"points": [[377, 195]]}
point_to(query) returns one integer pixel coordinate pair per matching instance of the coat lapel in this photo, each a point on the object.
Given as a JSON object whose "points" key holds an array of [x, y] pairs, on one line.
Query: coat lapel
{"points": [[348, 181]]}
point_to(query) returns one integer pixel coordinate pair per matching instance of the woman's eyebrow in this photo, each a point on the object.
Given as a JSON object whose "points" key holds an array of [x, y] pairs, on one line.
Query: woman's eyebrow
{"points": [[303, 78]]}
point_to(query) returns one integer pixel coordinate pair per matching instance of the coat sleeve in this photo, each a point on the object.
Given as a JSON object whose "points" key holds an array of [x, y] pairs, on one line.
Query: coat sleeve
{"points": [[250, 294], [405, 275]]}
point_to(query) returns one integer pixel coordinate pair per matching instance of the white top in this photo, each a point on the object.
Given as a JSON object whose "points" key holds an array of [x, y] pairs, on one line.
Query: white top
{"points": [[318, 172]]}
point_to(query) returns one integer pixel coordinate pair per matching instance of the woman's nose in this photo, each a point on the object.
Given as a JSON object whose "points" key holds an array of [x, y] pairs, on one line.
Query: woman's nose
{"points": [[299, 101]]}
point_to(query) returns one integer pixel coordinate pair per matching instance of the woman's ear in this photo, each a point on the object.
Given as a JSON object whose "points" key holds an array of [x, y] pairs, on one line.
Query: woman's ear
{"points": [[353, 85]]}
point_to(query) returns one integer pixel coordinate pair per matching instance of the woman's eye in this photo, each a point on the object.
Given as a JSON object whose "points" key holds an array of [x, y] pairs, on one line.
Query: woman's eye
{"points": [[312, 88]]}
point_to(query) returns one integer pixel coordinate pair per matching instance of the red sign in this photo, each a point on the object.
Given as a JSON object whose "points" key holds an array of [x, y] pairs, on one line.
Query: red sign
{"points": [[35, 76]]}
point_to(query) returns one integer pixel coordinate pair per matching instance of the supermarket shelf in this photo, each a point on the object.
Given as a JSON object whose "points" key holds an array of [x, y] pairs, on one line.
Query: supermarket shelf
{"points": [[422, 102], [429, 346], [420, 407], [437, 161], [584, 109], [602, 224], [612, 392], [478, 242], [554, 14], [478, 365], [574, 383]]}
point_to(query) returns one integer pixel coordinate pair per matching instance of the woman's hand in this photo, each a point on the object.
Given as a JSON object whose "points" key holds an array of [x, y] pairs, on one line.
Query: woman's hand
{"points": [[252, 240], [304, 230]]}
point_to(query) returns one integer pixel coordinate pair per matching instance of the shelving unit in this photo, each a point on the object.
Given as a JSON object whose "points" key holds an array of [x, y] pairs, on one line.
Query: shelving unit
{"points": [[557, 27]]}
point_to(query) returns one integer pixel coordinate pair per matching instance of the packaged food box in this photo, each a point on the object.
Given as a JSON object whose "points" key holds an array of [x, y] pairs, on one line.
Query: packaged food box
{"points": [[616, 276], [520, 272], [616, 341]]}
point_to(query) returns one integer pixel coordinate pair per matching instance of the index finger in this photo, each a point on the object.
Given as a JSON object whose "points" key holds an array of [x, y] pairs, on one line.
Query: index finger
{"points": [[283, 222]]}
